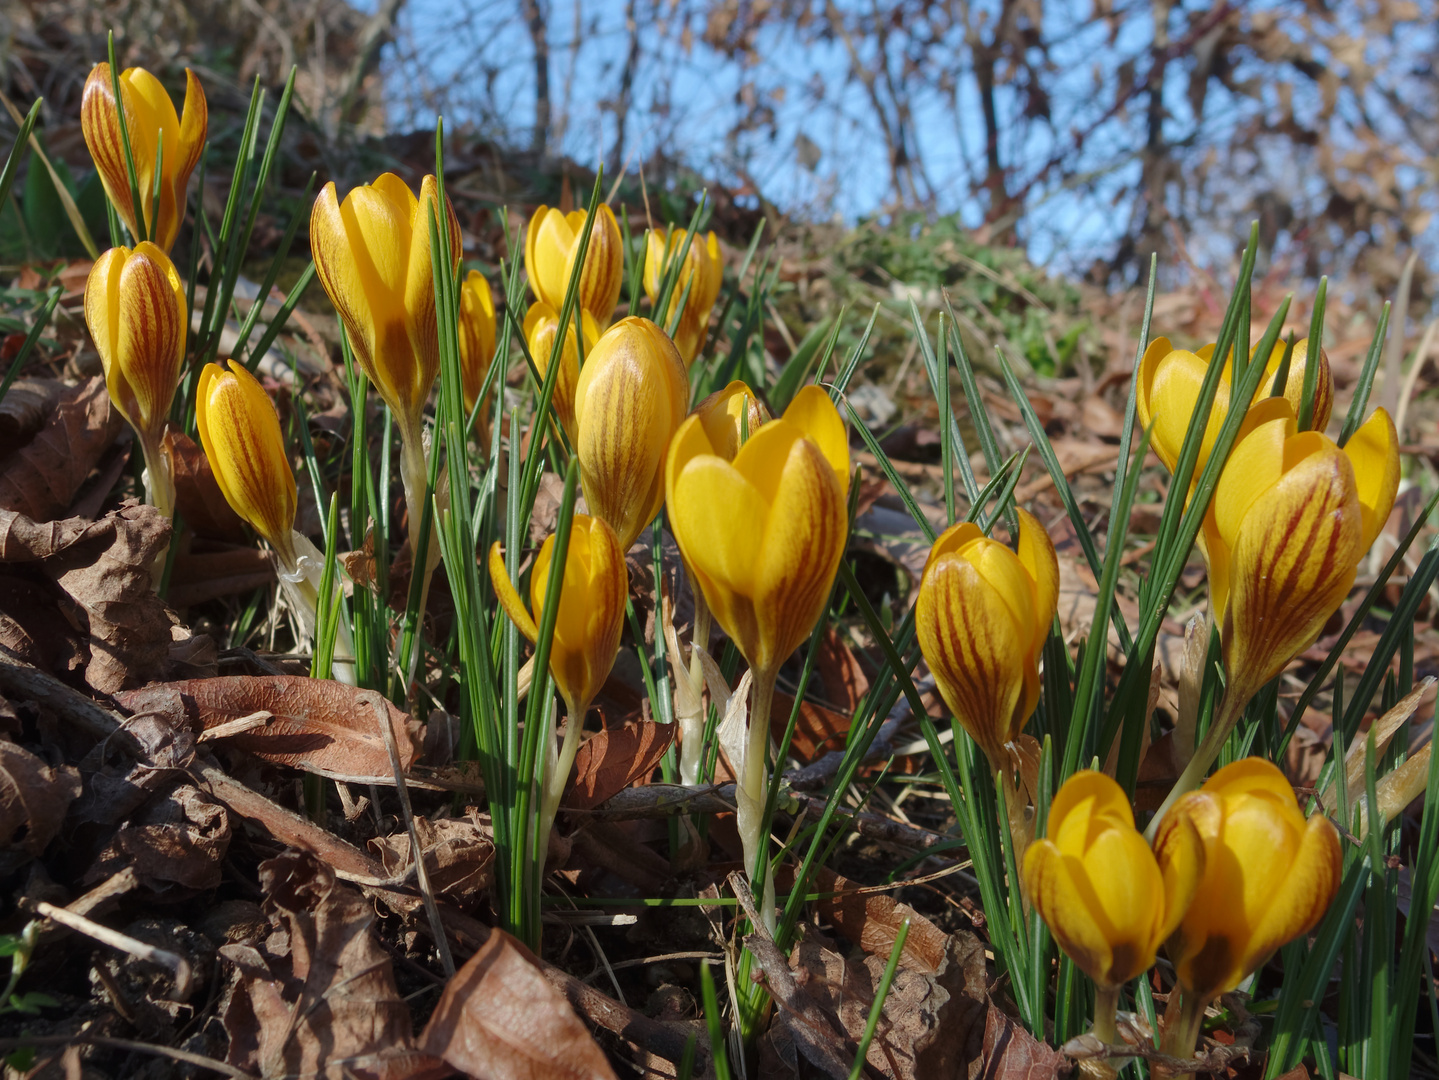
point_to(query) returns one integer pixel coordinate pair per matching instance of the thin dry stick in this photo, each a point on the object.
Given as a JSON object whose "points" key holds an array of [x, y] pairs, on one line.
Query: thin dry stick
{"points": [[422, 873], [1407, 393], [178, 966]]}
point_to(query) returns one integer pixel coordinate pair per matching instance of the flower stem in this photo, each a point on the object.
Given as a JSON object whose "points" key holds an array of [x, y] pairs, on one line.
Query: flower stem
{"points": [[1226, 715], [752, 789], [1181, 1039], [557, 772], [415, 476]]}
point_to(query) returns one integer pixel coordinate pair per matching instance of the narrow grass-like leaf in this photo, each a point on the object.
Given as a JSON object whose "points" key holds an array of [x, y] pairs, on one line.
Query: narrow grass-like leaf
{"points": [[876, 1009], [1311, 367], [1360, 401]]}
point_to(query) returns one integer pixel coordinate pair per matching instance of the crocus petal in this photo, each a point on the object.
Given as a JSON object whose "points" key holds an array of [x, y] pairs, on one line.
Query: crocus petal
{"points": [[604, 265], [1293, 563], [1373, 450], [1154, 352], [1173, 393], [1050, 882], [729, 417], [477, 335], [953, 540], [553, 238], [1303, 894], [1037, 556], [814, 414], [1254, 466], [508, 596]]}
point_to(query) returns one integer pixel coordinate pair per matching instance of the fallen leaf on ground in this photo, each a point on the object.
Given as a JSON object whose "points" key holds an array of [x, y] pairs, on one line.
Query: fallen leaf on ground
{"points": [[24, 408], [616, 758], [817, 730], [41, 478], [501, 1019], [317, 998], [178, 839], [318, 725], [872, 921], [33, 800], [104, 568], [199, 576], [459, 855]]}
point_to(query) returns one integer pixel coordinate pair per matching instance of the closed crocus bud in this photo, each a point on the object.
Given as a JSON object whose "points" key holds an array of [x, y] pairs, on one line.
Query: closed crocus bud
{"points": [[372, 254], [135, 308], [552, 244], [763, 532], [703, 265], [477, 335], [240, 432], [1097, 885], [630, 398], [982, 616], [154, 128], [1170, 380], [542, 322], [1267, 875]]}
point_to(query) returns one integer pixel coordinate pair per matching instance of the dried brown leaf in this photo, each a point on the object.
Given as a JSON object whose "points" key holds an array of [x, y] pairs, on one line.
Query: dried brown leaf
{"points": [[41, 478], [26, 405], [817, 731], [208, 575], [317, 725], [614, 759], [178, 839], [104, 568], [33, 800], [317, 998], [459, 855], [197, 496], [501, 1019], [1011, 1053], [872, 921]]}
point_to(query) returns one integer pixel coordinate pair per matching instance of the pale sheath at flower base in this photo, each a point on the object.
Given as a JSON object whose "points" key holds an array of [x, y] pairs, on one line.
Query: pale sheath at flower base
{"points": [[702, 273], [762, 535], [630, 398], [153, 127], [135, 309], [982, 616], [587, 631], [552, 244]]}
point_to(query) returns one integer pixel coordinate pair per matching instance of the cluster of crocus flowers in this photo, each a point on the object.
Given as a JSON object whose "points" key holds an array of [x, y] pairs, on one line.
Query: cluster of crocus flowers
{"points": [[373, 256], [552, 246], [630, 399], [1290, 519], [982, 616], [593, 589], [762, 527], [702, 274], [1235, 872], [240, 432], [135, 308], [158, 138]]}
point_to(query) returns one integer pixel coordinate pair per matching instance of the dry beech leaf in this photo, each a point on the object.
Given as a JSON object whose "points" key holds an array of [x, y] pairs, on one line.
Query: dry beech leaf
{"points": [[207, 575], [499, 1018], [872, 921], [179, 839], [841, 672], [459, 854], [26, 405], [41, 478], [317, 998], [33, 800], [817, 731], [317, 725], [104, 567], [1011, 1053], [616, 758], [197, 495]]}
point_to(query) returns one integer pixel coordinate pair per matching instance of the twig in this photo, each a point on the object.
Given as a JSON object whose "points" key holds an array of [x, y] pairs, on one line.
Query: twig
{"points": [[177, 965], [422, 873], [24, 1041]]}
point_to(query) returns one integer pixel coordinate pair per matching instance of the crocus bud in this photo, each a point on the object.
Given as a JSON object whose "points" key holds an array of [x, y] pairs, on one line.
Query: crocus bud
{"points": [[630, 398], [704, 265], [1170, 380], [1290, 519], [1267, 875], [240, 432], [592, 607], [1097, 885], [552, 243], [542, 322], [152, 125], [763, 533], [372, 254], [982, 616], [135, 308], [477, 335]]}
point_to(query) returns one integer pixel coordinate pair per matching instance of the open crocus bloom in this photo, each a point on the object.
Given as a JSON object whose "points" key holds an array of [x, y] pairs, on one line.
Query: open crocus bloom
{"points": [[552, 243], [1170, 380]]}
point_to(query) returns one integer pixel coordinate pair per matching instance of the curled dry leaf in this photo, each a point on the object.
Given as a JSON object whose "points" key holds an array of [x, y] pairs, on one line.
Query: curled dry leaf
{"points": [[177, 839], [41, 478], [317, 725], [26, 405], [459, 855], [197, 495], [616, 758], [501, 1019], [103, 569], [33, 800], [317, 998]]}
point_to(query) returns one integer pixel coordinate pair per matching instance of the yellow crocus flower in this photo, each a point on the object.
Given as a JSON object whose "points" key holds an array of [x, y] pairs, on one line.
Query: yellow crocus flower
{"points": [[135, 308], [552, 243], [1267, 876], [152, 124], [630, 397], [542, 322], [1169, 383], [704, 265], [982, 616], [477, 335]]}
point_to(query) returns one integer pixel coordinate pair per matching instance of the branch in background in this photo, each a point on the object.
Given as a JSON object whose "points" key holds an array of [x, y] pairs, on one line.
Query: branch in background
{"points": [[535, 21], [377, 29]]}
